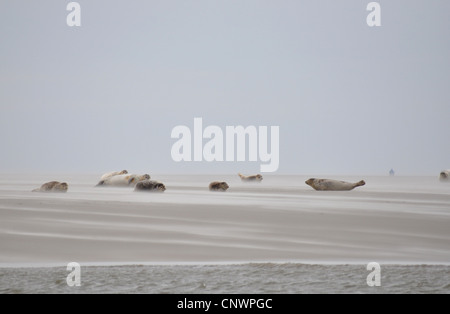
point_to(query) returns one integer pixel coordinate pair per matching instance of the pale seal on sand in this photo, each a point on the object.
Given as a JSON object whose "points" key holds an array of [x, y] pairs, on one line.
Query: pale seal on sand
{"points": [[150, 186], [254, 178], [332, 185], [112, 174], [124, 180], [445, 175], [219, 186], [53, 187]]}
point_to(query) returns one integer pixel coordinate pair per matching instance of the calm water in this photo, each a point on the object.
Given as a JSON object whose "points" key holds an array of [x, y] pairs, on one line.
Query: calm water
{"points": [[222, 279]]}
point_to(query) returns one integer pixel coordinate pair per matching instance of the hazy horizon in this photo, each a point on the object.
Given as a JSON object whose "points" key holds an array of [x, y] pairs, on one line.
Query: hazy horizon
{"points": [[349, 99]]}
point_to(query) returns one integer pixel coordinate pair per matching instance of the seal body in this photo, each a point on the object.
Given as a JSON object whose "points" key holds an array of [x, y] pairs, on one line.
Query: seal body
{"points": [[112, 174], [218, 186], [124, 180], [53, 187], [254, 178], [445, 176], [149, 186], [332, 185]]}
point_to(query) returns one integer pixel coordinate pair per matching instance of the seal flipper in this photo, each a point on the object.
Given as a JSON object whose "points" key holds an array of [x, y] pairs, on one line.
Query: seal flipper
{"points": [[360, 183]]}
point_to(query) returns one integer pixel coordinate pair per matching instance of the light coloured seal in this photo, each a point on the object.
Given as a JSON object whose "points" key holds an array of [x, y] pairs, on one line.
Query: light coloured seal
{"points": [[112, 174], [124, 180], [333, 185], [218, 186], [150, 186], [254, 178], [53, 187]]}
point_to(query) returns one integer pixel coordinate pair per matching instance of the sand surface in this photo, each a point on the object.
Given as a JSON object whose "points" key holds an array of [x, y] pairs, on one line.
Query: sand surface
{"points": [[402, 220]]}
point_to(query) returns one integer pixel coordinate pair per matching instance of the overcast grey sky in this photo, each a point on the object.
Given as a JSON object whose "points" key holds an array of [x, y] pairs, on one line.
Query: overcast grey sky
{"points": [[349, 99]]}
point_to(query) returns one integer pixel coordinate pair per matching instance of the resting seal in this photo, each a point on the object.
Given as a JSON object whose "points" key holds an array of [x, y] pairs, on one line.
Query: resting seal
{"points": [[445, 175], [150, 186], [332, 185], [255, 178], [53, 187], [219, 186], [112, 174], [124, 180]]}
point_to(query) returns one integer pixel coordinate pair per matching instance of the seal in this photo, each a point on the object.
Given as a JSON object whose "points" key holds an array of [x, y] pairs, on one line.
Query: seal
{"points": [[124, 180], [218, 186], [255, 178], [332, 185], [150, 186], [53, 187], [445, 176], [112, 174]]}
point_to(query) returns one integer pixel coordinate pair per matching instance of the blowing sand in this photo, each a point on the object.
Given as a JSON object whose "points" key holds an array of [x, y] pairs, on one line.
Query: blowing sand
{"points": [[400, 220]]}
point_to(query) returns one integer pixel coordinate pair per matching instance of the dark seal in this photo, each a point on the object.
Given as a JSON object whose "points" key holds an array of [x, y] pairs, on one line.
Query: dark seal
{"points": [[218, 186], [150, 186]]}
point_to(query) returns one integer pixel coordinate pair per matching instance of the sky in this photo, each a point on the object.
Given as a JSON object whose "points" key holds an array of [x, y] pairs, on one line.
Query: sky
{"points": [[348, 98]]}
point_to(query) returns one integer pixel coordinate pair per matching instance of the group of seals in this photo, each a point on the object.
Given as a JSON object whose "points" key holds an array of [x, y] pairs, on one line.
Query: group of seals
{"points": [[445, 176], [143, 183], [116, 179], [218, 186], [53, 187], [333, 185]]}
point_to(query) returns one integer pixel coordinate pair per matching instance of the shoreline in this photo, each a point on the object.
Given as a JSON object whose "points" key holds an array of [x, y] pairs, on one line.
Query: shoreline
{"points": [[201, 264]]}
